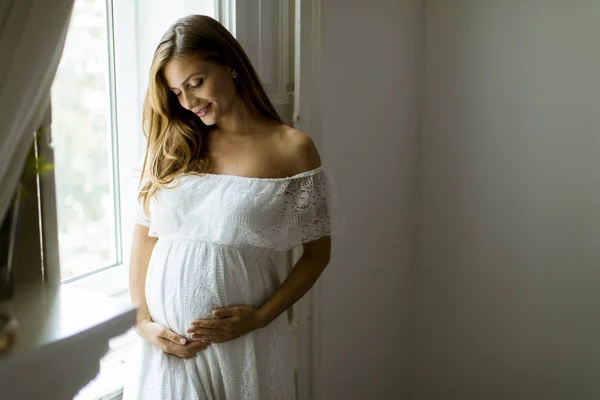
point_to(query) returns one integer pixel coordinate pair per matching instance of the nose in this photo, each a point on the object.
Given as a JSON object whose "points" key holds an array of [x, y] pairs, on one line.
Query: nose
{"points": [[186, 101]]}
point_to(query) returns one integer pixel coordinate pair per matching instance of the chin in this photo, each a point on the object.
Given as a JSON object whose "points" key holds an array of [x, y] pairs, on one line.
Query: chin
{"points": [[208, 120]]}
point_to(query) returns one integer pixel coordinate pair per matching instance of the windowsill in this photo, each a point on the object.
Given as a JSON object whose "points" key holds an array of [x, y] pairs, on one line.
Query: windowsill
{"points": [[61, 327], [110, 282], [109, 382]]}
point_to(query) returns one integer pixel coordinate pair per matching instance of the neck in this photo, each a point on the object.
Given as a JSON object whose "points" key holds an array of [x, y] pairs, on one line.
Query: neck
{"points": [[238, 120]]}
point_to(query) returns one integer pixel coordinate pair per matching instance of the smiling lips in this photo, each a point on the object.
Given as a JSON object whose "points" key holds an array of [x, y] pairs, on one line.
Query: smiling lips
{"points": [[203, 111]]}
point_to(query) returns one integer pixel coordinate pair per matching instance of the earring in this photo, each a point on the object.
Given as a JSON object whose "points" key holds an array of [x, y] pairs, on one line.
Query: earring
{"points": [[236, 80]]}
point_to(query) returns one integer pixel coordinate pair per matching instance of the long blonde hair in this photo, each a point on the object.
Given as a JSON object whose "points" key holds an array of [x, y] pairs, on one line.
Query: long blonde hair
{"points": [[175, 136]]}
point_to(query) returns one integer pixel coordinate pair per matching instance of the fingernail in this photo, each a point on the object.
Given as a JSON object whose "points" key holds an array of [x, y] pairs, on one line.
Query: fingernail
{"points": [[182, 341]]}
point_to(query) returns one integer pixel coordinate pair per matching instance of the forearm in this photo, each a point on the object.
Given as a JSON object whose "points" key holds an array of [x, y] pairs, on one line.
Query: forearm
{"points": [[137, 278], [141, 251], [301, 278]]}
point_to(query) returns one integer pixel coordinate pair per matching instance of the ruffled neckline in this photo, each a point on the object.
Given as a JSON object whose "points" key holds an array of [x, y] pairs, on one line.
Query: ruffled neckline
{"points": [[305, 174]]}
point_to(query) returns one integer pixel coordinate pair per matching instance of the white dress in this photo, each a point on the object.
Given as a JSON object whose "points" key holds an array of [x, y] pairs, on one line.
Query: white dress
{"points": [[216, 234]]}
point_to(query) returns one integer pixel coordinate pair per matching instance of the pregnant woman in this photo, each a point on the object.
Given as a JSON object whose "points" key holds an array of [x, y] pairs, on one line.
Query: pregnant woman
{"points": [[224, 185]]}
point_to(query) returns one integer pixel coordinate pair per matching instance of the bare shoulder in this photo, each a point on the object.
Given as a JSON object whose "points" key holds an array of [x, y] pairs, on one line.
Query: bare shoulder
{"points": [[299, 150]]}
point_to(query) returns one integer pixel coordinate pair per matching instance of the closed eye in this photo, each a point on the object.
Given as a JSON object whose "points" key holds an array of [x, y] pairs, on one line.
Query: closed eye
{"points": [[197, 85]]}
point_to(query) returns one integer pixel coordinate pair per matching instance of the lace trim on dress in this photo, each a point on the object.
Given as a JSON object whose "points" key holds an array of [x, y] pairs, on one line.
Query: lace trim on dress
{"points": [[279, 212]]}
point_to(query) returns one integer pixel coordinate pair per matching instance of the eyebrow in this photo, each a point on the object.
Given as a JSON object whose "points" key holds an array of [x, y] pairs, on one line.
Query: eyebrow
{"points": [[186, 80]]}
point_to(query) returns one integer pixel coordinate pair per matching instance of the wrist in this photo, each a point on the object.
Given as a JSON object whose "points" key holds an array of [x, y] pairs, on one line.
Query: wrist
{"points": [[142, 315], [264, 317], [140, 322]]}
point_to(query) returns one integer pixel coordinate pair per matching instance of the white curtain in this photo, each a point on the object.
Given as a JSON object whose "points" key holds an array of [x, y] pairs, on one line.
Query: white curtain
{"points": [[32, 37]]}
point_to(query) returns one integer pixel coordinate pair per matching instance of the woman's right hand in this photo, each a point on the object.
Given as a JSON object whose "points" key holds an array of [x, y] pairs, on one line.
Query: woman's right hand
{"points": [[168, 341]]}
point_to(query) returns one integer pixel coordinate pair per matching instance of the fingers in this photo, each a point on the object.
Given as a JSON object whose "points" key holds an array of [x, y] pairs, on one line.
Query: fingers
{"points": [[211, 338], [212, 323], [203, 331], [196, 346], [225, 312], [193, 348], [173, 337], [183, 351]]}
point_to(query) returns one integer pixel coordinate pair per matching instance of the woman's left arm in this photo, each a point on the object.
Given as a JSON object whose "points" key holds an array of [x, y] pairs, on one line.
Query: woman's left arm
{"points": [[233, 322], [301, 278]]}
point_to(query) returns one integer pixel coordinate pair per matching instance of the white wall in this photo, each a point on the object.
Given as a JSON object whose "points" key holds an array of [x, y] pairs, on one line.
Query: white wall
{"points": [[369, 142], [508, 283]]}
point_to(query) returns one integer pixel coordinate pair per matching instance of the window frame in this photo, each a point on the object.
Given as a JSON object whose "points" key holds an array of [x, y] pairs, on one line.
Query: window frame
{"points": [[109, 280]]}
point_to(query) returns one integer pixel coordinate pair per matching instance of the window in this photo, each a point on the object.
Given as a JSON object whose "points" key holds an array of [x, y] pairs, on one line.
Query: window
{"points": [[85, 146]]}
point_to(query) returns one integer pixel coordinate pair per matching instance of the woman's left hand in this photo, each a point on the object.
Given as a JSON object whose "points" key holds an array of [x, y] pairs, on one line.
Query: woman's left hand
{"points": [[230, 323]]}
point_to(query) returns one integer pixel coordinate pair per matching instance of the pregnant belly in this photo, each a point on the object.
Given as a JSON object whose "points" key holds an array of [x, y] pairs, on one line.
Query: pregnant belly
{"points": [[187, 279]]}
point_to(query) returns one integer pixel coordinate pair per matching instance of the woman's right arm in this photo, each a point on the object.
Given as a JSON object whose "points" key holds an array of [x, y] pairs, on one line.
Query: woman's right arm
{"points": [[141, 250], [154, 333]]}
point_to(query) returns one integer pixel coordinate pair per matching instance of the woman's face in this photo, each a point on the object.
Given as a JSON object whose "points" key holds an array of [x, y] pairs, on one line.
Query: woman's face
{"points": [[205, 88]]}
